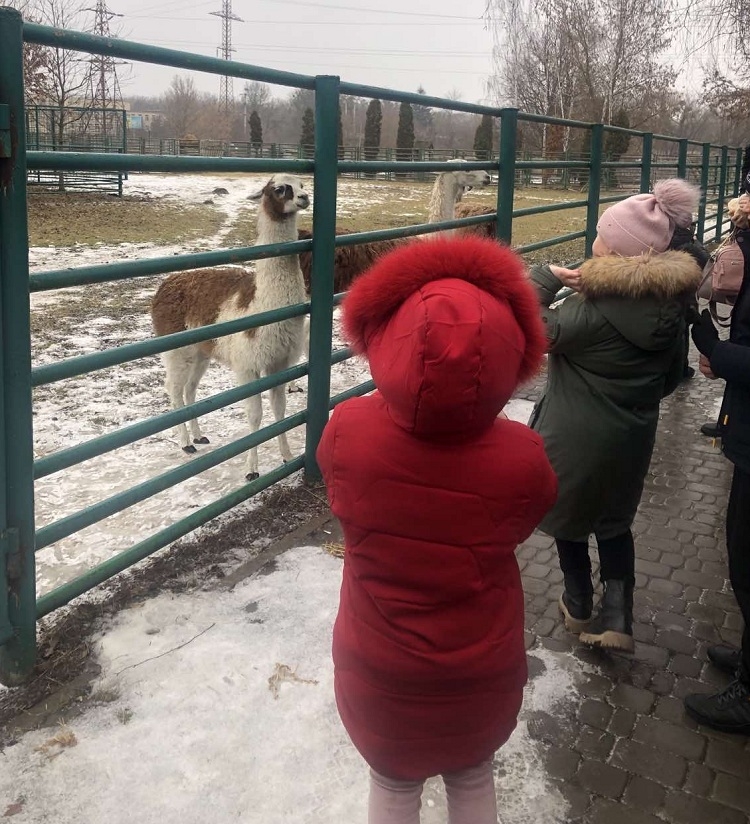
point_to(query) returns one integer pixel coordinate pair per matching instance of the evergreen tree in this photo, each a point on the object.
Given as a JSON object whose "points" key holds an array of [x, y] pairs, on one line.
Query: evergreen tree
{"points": [[405, 134], [423, 122], [256, 131], [483, 138], [373, 126], [615, 146], [307, 136]]}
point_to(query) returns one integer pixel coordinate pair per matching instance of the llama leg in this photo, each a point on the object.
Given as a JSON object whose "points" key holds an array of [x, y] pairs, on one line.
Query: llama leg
{"points": [[278, 405], [198, 370], [292, 386], [178, 370], [254, 412]]}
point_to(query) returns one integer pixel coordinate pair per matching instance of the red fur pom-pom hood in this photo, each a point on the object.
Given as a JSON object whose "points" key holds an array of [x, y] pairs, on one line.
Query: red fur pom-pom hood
{"points": [[450, 328]]}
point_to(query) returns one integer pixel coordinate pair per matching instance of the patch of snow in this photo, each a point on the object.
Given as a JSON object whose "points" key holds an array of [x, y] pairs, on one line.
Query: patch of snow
{"points": [[218, 706]]}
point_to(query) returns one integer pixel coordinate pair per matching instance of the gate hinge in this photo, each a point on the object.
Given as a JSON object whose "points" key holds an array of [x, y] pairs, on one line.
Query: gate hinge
{"points": [[5, 147], [10, 554]]}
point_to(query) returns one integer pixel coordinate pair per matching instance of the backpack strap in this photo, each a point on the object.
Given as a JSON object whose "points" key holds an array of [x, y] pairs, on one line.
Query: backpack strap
{"points": [[718, 320]]}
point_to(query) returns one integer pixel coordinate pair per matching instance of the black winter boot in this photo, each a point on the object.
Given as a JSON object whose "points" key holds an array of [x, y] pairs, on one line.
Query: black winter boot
{"points": [[728, 710], [577, 601], [613, 626], [724, 658]]}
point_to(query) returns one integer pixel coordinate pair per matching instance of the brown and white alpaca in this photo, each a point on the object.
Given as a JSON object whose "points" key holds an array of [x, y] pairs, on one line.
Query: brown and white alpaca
{"points": [[204, 296]]}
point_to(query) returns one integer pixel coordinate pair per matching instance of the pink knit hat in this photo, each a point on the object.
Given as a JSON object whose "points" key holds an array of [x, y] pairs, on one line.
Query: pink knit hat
{"points": [[647, 222]]}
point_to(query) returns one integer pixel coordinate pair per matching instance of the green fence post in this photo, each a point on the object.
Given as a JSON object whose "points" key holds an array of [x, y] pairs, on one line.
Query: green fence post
{"points": [[595, 184], [682, 157], [16, 440], [705, 171], [722, 191], [321, 286], [647, 153], [506, 184]]}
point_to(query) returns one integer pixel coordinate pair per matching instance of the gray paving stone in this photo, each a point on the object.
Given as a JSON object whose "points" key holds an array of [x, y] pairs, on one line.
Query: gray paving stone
{"points": [[626, 753]]}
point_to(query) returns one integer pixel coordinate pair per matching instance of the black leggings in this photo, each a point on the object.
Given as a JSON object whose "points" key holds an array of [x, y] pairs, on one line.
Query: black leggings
{"points": [[616, 557]]}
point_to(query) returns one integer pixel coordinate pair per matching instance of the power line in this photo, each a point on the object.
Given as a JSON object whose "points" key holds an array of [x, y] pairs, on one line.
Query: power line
{"points": [[374, 11], [286, 23]]}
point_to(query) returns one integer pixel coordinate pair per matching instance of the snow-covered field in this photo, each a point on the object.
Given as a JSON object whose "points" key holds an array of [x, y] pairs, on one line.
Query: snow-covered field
{"points": [[82, 320], [218, 707]]}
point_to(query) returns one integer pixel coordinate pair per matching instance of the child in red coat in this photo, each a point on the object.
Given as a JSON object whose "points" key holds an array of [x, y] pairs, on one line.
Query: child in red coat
{"points": [[434, 493]]}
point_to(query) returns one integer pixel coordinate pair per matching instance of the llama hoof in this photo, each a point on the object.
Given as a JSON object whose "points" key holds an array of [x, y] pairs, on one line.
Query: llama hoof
{"points": [[252, 476], [294, 388], [204, 439], [189, 449]]}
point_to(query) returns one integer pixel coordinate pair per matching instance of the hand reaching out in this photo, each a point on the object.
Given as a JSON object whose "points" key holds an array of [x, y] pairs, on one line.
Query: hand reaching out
{"points": [[569, 277], [704, 365]]}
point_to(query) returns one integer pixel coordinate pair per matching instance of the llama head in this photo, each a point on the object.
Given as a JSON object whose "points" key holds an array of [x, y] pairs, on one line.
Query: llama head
{"points": [[282, 196], [467, 180]]}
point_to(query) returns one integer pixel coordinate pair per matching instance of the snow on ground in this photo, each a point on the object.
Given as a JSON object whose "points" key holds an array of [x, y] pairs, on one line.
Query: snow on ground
{"points": [[76, 410], [218, 706]]}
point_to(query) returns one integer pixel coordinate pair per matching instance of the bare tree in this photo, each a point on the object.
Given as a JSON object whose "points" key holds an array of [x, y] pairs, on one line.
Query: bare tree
{"points": [[181, 105], [35, 58], [256, 95], [68, 72], [579, 58]]}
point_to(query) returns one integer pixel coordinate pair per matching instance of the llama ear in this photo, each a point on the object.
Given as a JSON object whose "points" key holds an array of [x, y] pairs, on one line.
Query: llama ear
{"points": [[256, 195]]}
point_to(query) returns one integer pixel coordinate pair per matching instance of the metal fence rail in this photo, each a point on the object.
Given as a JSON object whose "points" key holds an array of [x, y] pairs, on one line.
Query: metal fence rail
{"points": [[717, 169]]}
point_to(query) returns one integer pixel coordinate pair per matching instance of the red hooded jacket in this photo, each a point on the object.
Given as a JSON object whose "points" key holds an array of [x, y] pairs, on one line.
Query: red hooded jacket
{"points": [[434, 493]]}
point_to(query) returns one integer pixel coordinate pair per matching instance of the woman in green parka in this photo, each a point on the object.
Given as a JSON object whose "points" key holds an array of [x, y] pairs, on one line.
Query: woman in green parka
{"points": [[616, 348]]}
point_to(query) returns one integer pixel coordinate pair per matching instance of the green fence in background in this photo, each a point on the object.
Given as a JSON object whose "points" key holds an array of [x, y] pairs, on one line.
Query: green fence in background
{"points": [[716, 168]]}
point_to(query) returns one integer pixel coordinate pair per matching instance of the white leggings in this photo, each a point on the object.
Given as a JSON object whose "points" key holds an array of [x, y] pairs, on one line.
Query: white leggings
{"points": [[470, 795]]}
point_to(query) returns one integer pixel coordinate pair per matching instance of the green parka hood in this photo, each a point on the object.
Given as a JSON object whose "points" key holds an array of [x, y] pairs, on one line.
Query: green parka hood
{"points": [[643, 297]]}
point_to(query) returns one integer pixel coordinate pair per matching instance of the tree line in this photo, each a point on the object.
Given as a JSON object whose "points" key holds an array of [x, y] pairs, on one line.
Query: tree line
{"points": [[612, 61], [589, 60]]}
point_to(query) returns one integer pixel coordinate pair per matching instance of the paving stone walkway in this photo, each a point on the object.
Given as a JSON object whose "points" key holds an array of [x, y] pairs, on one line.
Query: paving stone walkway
{"points": [[627, 753]]}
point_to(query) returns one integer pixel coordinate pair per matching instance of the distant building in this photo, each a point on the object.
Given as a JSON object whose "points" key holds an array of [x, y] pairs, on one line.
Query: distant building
{"points": [[143, 121]]}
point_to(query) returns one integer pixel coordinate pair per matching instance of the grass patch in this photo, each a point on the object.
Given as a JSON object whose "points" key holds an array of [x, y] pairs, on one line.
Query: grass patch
{"points": [[73, 219]]}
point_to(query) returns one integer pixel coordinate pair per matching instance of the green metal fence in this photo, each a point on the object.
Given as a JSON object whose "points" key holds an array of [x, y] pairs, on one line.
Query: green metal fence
{"points": [[71, 129], [19, 540]]}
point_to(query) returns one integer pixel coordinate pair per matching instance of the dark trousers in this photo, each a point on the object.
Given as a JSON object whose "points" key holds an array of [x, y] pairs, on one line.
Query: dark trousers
{"points": [[738, 549], [616, 557]]}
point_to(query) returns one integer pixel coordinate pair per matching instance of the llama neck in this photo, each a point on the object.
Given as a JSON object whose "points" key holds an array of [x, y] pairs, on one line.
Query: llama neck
{"points": [[278, 280], [274, 230], [443, 199]]}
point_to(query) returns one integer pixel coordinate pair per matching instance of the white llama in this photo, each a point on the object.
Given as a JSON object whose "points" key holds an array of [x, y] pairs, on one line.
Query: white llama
{"points": [[204, 296], [450, 187]]}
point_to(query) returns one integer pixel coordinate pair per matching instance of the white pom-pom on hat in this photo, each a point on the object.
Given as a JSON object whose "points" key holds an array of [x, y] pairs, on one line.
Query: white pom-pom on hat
{"points": [[678, 200]]}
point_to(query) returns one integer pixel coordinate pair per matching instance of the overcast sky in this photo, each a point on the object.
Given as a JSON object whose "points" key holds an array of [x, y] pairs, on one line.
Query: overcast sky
{"points": [[440, 44]]}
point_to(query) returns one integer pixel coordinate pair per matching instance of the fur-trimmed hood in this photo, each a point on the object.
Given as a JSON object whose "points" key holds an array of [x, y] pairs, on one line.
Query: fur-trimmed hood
{"points": [[450, 328], [645, 297], [667, 275]]}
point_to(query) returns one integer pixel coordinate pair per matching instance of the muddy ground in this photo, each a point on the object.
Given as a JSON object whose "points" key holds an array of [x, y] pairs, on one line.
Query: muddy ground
{"points": [[86, 219]]}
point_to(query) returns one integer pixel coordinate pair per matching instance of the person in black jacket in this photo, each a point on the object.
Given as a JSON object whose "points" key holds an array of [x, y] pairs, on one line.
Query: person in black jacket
{"points": [[729, 710], [684, 240], [710, 428]]}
